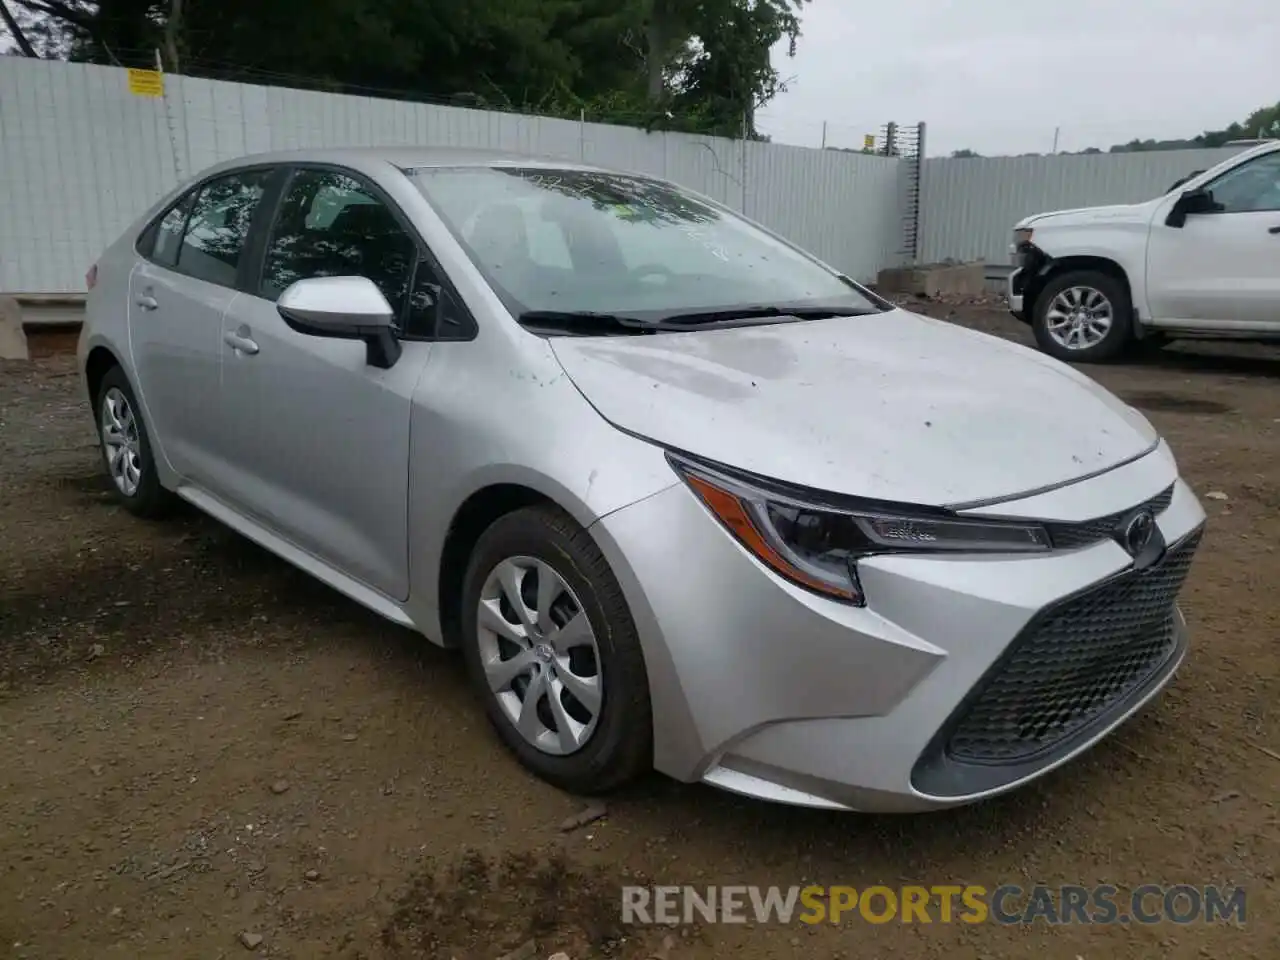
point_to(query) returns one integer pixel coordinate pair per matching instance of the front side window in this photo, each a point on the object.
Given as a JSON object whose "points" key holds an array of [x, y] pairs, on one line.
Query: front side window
{"points": [[1252, 187], [574, 240], [331, 225], [219, 226]]}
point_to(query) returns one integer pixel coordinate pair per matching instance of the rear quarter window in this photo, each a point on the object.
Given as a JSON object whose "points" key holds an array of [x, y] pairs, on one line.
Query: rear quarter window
{"points": [[166, 235]]}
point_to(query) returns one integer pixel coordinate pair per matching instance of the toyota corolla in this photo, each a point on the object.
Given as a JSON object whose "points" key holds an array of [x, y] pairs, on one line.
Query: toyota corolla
{"points": [[685, 497]]}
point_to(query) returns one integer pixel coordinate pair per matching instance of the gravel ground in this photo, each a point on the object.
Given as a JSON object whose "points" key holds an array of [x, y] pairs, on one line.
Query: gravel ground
{"points": [[207, 754]]}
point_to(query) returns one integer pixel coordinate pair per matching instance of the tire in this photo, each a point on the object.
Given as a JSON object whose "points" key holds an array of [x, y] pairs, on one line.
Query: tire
{"points": [[1089, 288], [134, 477], [617, 745]]}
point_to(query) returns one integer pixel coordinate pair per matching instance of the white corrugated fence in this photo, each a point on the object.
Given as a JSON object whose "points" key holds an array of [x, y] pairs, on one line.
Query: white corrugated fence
{"points": [[970, 205], [84, 149], [82, 154]]}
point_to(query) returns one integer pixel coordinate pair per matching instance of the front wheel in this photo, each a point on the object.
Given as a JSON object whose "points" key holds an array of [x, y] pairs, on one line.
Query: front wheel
{"points": [[553, 651], [1083, 317]]}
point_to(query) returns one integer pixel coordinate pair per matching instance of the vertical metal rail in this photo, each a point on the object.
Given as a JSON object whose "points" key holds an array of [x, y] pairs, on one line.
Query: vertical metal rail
{"points": [[907, 144]]}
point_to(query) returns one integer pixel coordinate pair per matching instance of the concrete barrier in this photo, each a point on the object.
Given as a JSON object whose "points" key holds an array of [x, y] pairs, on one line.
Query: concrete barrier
{"points": [[13, 341], [935, 279]]}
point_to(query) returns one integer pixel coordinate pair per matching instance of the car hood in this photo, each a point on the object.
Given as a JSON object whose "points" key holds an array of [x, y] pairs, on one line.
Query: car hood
{"points": [[1123, 213], [892, 406]]}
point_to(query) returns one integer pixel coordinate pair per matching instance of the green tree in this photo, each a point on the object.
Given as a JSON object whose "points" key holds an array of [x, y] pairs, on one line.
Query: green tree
{"points": [[726, 73], [684, 64]]}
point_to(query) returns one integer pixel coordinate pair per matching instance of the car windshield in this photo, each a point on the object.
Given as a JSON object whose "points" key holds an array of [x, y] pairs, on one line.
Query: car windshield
{"points": [[568, 242]]}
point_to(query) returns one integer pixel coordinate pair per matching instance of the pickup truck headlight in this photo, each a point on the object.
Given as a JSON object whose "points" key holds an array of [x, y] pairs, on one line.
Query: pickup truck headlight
{"points": [[817, 545], [1020, 247]]}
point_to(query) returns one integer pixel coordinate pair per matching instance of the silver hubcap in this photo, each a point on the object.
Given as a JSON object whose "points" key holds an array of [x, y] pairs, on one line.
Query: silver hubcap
{"points": [[540, 655], [1079, 317], [120, 441]]}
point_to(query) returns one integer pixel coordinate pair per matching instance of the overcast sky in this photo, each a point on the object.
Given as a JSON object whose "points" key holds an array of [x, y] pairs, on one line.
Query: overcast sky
{"points": [[997, 76]]}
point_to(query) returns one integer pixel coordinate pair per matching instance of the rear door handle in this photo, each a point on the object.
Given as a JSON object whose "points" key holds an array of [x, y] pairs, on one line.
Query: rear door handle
{"points": [[239, 343], [147, 302], [1274, 230]]}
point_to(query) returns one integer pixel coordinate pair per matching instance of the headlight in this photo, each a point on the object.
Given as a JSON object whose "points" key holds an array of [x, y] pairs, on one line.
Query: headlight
{"points": [[818, 545], [1017, 249]]}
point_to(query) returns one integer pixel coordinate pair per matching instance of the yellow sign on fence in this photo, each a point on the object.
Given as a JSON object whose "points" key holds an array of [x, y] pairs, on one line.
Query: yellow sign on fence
{"points": [[869, 141], [146, 83]]}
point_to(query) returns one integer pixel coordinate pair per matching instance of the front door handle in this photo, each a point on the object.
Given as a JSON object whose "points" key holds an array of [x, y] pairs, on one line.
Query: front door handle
{"points": [[1274, 230], [239, 343], [147, 302]]}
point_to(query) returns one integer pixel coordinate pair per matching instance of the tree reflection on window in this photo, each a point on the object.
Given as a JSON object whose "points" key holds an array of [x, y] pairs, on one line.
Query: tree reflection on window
{"points": [[219, 226], [330, 225], [628, 198]]}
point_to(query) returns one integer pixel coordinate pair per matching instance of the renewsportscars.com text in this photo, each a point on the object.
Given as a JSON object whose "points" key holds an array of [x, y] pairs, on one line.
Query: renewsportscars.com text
{"points": [[941, 903]]}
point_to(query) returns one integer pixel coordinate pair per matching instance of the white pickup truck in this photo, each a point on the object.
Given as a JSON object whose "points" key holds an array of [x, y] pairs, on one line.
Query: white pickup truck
{"points": [[1201, 261]]}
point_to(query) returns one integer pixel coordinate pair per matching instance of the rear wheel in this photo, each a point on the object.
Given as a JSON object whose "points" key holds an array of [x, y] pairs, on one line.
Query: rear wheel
{"points": [[552, 649], [1084, 316], [126, 448]]}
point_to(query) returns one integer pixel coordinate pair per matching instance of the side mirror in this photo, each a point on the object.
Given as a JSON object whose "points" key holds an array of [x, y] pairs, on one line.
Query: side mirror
{"points": [[344, 308], [1193, 201]]}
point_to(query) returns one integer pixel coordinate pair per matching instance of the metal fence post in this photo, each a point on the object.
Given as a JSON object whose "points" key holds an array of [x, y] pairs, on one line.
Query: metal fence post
{"points": [[921, 160]]}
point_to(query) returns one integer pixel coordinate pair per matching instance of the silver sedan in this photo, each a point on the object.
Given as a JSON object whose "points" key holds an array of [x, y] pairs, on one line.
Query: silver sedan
{"points": [[684, 496]]}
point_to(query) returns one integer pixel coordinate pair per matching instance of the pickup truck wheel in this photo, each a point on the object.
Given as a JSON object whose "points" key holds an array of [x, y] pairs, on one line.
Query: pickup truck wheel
{"points": [[1083, 317]]}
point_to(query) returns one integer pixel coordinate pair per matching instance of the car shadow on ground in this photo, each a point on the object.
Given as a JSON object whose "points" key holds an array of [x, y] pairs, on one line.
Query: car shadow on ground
{"points": [[1239, 360], [892, 846]]}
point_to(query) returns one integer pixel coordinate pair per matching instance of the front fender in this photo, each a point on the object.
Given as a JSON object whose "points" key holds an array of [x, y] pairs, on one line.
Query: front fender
{"points": [[1122, 243], [472, 433]]}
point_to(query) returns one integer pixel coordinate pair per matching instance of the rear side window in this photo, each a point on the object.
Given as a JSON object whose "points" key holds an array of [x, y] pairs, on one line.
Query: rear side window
{"points": [[218, 228]]}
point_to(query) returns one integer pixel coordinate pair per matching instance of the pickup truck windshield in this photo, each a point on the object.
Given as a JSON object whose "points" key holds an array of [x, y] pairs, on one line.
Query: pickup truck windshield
{"points": [[580, 241]]}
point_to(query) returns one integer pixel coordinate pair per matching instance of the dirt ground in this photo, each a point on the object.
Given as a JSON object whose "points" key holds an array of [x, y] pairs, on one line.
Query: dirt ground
{"points": [[202, 747]]}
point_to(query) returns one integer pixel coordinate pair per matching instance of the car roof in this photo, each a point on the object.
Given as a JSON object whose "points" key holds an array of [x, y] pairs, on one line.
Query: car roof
{"points": [[408, 158]]}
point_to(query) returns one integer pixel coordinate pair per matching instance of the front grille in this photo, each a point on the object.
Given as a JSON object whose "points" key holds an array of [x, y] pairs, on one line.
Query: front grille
{"points": [[1069, 536], [1074, 663]]}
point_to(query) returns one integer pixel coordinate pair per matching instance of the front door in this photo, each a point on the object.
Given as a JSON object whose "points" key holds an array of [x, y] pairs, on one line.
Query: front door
{"points": [[320, 448], [1222, 269]]}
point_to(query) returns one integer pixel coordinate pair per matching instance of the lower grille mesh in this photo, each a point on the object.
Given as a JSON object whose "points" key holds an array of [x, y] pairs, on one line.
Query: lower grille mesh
{"points": [[1074, 664]]}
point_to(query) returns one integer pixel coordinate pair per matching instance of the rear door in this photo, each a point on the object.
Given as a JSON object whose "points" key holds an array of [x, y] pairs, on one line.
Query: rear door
{"points": [[1221, 270], [178, 292]]}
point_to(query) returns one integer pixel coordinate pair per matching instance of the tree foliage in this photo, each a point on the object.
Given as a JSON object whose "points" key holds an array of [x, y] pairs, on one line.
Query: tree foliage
{"points": [[1263, 122], [699, 65]]}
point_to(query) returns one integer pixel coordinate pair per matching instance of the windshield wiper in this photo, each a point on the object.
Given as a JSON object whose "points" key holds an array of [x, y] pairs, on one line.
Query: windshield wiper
{"points": [[589, 321], [766, 311], [574, 321]]}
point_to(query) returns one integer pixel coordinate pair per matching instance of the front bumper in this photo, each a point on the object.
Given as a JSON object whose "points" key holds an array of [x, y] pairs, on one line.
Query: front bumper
{"points": [[766, 689], [1015, 292]]}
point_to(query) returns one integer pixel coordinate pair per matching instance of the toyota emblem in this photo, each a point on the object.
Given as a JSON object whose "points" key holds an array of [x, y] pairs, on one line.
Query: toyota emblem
{"points": [[1137, 532]]}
